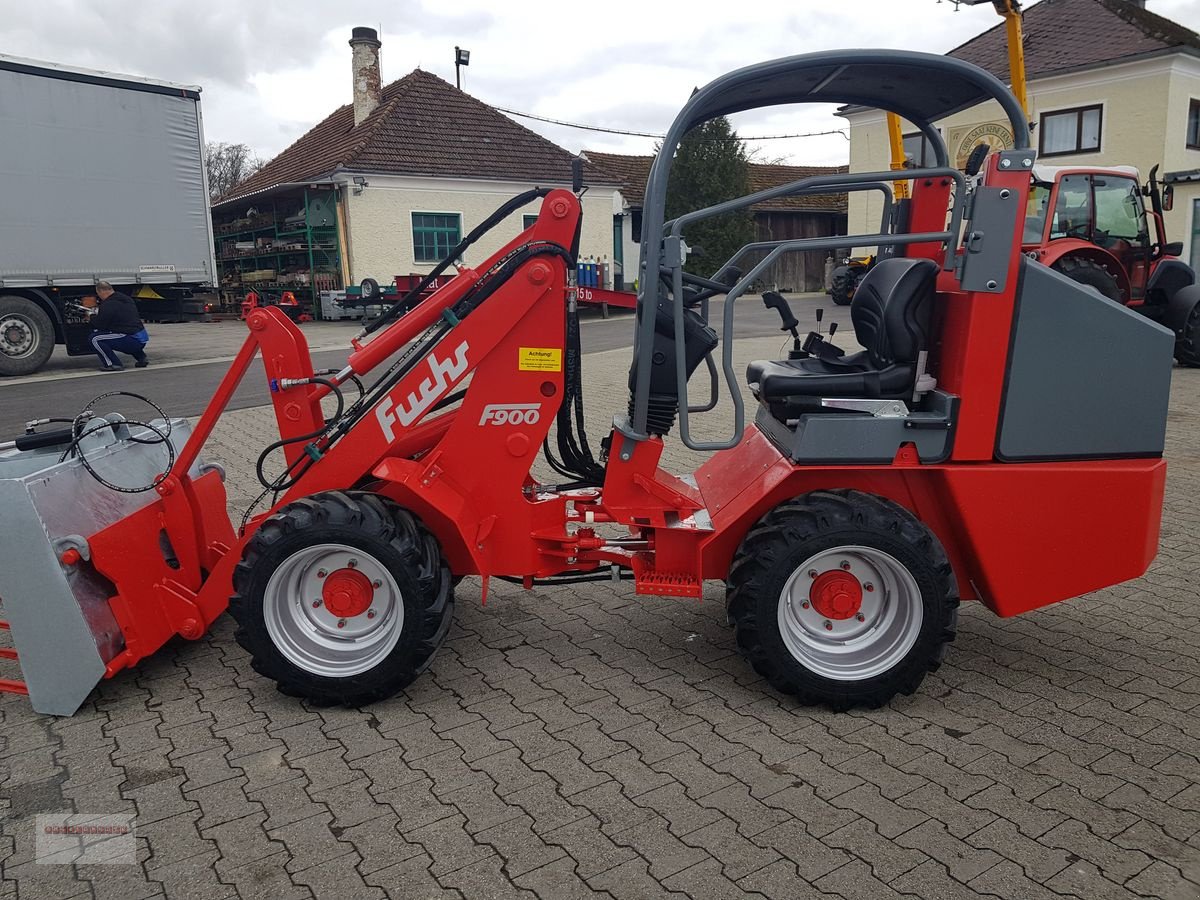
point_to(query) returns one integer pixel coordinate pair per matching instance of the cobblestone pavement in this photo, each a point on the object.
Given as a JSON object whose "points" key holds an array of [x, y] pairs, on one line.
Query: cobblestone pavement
{"points": [[579, 742]]}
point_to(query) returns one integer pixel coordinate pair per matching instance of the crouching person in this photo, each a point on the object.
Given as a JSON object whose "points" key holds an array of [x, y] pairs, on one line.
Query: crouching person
{"points": [[117, 329]]}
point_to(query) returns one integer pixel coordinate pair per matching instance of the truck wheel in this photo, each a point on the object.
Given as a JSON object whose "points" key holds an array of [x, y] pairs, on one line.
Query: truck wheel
{"points": [[1187, 340], [1092, 274], [26, 336], [842, 598], [342, 598], [841, 287]]}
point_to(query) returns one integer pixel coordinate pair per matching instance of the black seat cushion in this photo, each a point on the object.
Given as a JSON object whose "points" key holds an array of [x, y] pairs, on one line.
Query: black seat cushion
{"points": [[891, 314]]}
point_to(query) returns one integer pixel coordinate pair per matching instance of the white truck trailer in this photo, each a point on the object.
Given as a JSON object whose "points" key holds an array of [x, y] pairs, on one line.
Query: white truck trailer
{"points": [[102, 177]]}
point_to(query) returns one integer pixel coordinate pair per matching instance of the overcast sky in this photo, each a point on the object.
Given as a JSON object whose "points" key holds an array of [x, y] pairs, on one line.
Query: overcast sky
{"points": [[271, 70]]}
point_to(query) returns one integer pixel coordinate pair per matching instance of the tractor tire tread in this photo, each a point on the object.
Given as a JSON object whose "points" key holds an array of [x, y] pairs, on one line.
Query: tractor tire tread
{"points": [[1090, 273], [1187, 342], [817, 514], [371, 515]]}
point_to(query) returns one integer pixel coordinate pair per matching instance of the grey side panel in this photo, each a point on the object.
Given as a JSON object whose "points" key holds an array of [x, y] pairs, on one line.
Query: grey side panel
{"points": [[99, 181], [1088, 378], [989, 238], [839, 438]]}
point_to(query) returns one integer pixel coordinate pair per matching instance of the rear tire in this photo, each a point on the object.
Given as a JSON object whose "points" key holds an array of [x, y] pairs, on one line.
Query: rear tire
{"points": [[1085, 271], [838, 646], [352, 558], [1187, 341], [26, 336]]}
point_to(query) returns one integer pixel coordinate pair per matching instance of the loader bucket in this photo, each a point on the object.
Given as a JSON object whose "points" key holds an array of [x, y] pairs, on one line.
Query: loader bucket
{"points": [[56, 604]]}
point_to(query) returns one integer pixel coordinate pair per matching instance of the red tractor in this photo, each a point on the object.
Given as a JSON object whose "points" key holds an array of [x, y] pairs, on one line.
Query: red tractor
{"points": [[968, 452], [1092, 225]]}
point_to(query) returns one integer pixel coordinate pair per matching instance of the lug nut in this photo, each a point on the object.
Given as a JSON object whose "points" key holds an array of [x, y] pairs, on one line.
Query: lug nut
{"points": [[804, 605], [845, 565], [861, 617], [828, 625], [316, 604], [812, 573], [377, 583], [868, 587], [353, 563], [341, 623], [370, 613], [321, 573]]}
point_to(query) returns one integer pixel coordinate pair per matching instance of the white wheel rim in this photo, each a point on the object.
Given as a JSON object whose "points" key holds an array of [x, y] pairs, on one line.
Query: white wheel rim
{"points": [[312, 627], [17, 335], [874, 637]]}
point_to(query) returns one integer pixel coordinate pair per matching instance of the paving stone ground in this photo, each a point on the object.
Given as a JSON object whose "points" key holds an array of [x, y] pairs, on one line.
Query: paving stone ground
{"points": [[582, 741]]}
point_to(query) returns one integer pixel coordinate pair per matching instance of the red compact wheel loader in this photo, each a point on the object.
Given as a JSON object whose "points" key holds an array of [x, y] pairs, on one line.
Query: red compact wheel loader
{"points": [[968, 451]]}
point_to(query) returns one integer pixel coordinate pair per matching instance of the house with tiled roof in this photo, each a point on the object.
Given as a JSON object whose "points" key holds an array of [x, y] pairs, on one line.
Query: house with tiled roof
{"points": [[783, 217], [387, 184], [1110, 83]]}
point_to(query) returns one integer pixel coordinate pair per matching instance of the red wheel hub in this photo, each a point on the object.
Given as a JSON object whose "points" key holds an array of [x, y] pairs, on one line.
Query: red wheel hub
{"points": [[347, 593], [836, 594]]}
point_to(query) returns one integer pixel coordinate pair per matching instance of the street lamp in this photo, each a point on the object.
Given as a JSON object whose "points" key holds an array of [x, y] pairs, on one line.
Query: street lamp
{"points": [[461, 58]]}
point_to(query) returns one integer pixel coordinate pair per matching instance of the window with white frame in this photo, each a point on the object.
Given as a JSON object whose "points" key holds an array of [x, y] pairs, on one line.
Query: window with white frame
{"points": [[1066, 131], [527, 220], [1193, 125], [434, 234]]}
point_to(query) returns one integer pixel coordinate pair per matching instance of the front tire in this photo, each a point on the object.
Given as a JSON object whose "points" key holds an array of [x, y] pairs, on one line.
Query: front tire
{"points": [[1085, 271], [342, 598], [842, 598], [26, 336]]}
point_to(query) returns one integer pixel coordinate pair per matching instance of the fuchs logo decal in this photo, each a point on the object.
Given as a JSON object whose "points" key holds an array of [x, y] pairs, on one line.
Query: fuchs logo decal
{"points": [[511, 414], [444, 372]]}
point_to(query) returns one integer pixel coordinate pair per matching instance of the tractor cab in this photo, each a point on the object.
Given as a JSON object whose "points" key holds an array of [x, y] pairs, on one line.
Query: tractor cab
{"points": [[1092, 224]]}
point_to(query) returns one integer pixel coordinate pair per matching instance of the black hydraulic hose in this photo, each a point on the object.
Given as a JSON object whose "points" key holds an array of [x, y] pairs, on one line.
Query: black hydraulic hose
{"points": [[163, 437], [476, 233], [281, 483]]}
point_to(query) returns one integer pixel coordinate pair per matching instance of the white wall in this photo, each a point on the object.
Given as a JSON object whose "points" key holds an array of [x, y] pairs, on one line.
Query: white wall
{"points": [[1143, 124], [380, 220]]}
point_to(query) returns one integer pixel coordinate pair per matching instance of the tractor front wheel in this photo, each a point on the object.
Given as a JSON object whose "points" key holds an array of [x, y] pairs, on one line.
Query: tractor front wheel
{"points": [[342, 598], [842, 598], [1085, 271]]}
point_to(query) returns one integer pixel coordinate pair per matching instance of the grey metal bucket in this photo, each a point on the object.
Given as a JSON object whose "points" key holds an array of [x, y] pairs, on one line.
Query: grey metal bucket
{"points": [[62, 625]]}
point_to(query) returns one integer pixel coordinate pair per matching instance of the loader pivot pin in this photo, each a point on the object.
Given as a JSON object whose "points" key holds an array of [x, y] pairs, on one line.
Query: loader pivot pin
{"points": [[347, 593], [836, 594]]}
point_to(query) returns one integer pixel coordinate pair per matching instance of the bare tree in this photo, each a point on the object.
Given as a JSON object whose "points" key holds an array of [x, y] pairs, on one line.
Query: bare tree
{"points": [[228, 166]]}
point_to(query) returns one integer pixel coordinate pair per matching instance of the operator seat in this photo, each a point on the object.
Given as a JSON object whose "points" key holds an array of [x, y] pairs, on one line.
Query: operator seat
{"points": [[891, 313]]}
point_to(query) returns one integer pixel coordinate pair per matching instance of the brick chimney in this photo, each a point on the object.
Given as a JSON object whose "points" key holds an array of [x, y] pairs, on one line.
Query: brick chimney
{"points": [[364, 61]]}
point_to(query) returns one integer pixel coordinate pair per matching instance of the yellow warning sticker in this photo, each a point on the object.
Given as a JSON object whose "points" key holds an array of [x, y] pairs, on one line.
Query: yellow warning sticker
{"points": [[540, 359]]}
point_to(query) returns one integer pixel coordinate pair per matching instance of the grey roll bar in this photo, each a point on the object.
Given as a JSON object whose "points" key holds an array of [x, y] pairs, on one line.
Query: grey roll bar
{"points": [[920, 87]]}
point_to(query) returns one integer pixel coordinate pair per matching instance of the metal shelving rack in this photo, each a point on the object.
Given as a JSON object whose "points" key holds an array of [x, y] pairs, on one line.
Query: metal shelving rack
{"points": [[307, 218]]}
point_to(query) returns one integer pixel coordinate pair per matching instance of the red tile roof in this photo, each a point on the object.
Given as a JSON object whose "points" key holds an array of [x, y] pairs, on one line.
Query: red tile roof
{"points": [[634, 170], [423, 126], [1063, 35]]}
